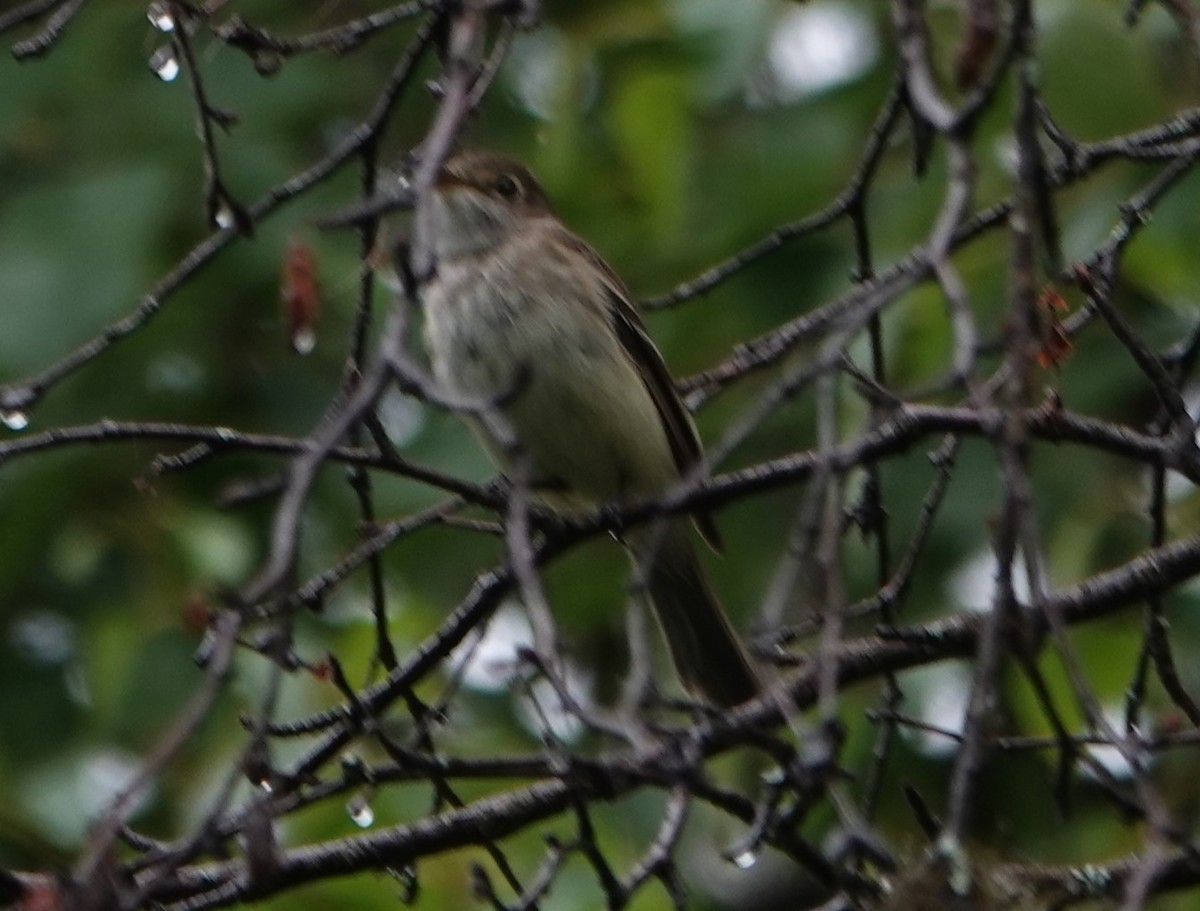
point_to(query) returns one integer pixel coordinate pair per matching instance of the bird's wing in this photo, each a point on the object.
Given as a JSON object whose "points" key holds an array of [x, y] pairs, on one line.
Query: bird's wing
{"points": [[676, 419]]}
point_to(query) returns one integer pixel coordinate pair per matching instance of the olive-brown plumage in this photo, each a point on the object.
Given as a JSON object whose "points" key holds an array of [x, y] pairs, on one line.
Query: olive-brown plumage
{"points": [[520, 303]]}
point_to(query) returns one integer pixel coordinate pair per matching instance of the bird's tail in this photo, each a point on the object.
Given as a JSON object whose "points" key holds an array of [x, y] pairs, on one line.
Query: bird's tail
{"points": [[707, 654]]}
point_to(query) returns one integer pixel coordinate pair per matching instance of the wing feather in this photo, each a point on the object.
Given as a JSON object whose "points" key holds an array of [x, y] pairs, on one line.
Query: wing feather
{"points": [[677, 421]]}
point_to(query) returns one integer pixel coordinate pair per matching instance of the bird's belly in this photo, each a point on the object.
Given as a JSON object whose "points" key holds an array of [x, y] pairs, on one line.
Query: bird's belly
{"points": [[576, 405]]}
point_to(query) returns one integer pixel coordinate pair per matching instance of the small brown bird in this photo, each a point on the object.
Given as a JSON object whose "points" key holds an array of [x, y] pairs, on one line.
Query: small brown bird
{"points": [[520, 303]]}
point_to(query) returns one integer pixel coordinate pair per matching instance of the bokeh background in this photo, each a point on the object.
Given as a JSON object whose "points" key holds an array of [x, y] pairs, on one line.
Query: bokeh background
{"points": [[670, 133]]}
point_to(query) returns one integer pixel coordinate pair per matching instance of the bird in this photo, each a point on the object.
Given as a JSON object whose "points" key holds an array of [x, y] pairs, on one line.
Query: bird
{"points": [[522, 312]]}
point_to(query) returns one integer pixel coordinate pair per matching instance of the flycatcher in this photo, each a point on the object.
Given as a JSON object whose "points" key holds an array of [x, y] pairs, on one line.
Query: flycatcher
{"points": [[521, 307]]}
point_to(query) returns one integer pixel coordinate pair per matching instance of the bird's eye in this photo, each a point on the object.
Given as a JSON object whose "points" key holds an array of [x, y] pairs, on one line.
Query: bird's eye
{"points": [[507, 187]]}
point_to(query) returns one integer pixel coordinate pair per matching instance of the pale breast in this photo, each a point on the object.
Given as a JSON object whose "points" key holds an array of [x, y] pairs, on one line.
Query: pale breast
{"points": [[470, 332], [519, 323]]}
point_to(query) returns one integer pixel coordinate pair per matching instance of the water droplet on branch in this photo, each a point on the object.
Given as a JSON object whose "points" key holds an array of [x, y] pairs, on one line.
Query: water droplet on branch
{"points": [[14, 420], [160, 16], [744, 860], [360, 811], [165, 63], [304, 341], [267, 62]]}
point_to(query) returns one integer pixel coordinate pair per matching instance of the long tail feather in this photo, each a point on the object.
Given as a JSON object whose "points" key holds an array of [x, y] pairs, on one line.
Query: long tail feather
{"points": [[705, 649]]}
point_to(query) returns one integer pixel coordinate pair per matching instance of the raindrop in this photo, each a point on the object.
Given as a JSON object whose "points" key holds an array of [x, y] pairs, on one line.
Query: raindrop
{"points": [[304, 341], [14, 420], [164, 63], [265, 784], [224, 216], [360, 811], [266, 62], [160, 16], [745, 859]]}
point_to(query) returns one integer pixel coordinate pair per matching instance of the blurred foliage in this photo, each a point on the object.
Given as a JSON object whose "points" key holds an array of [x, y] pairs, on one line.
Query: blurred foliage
{"points": [[670, 135]]}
